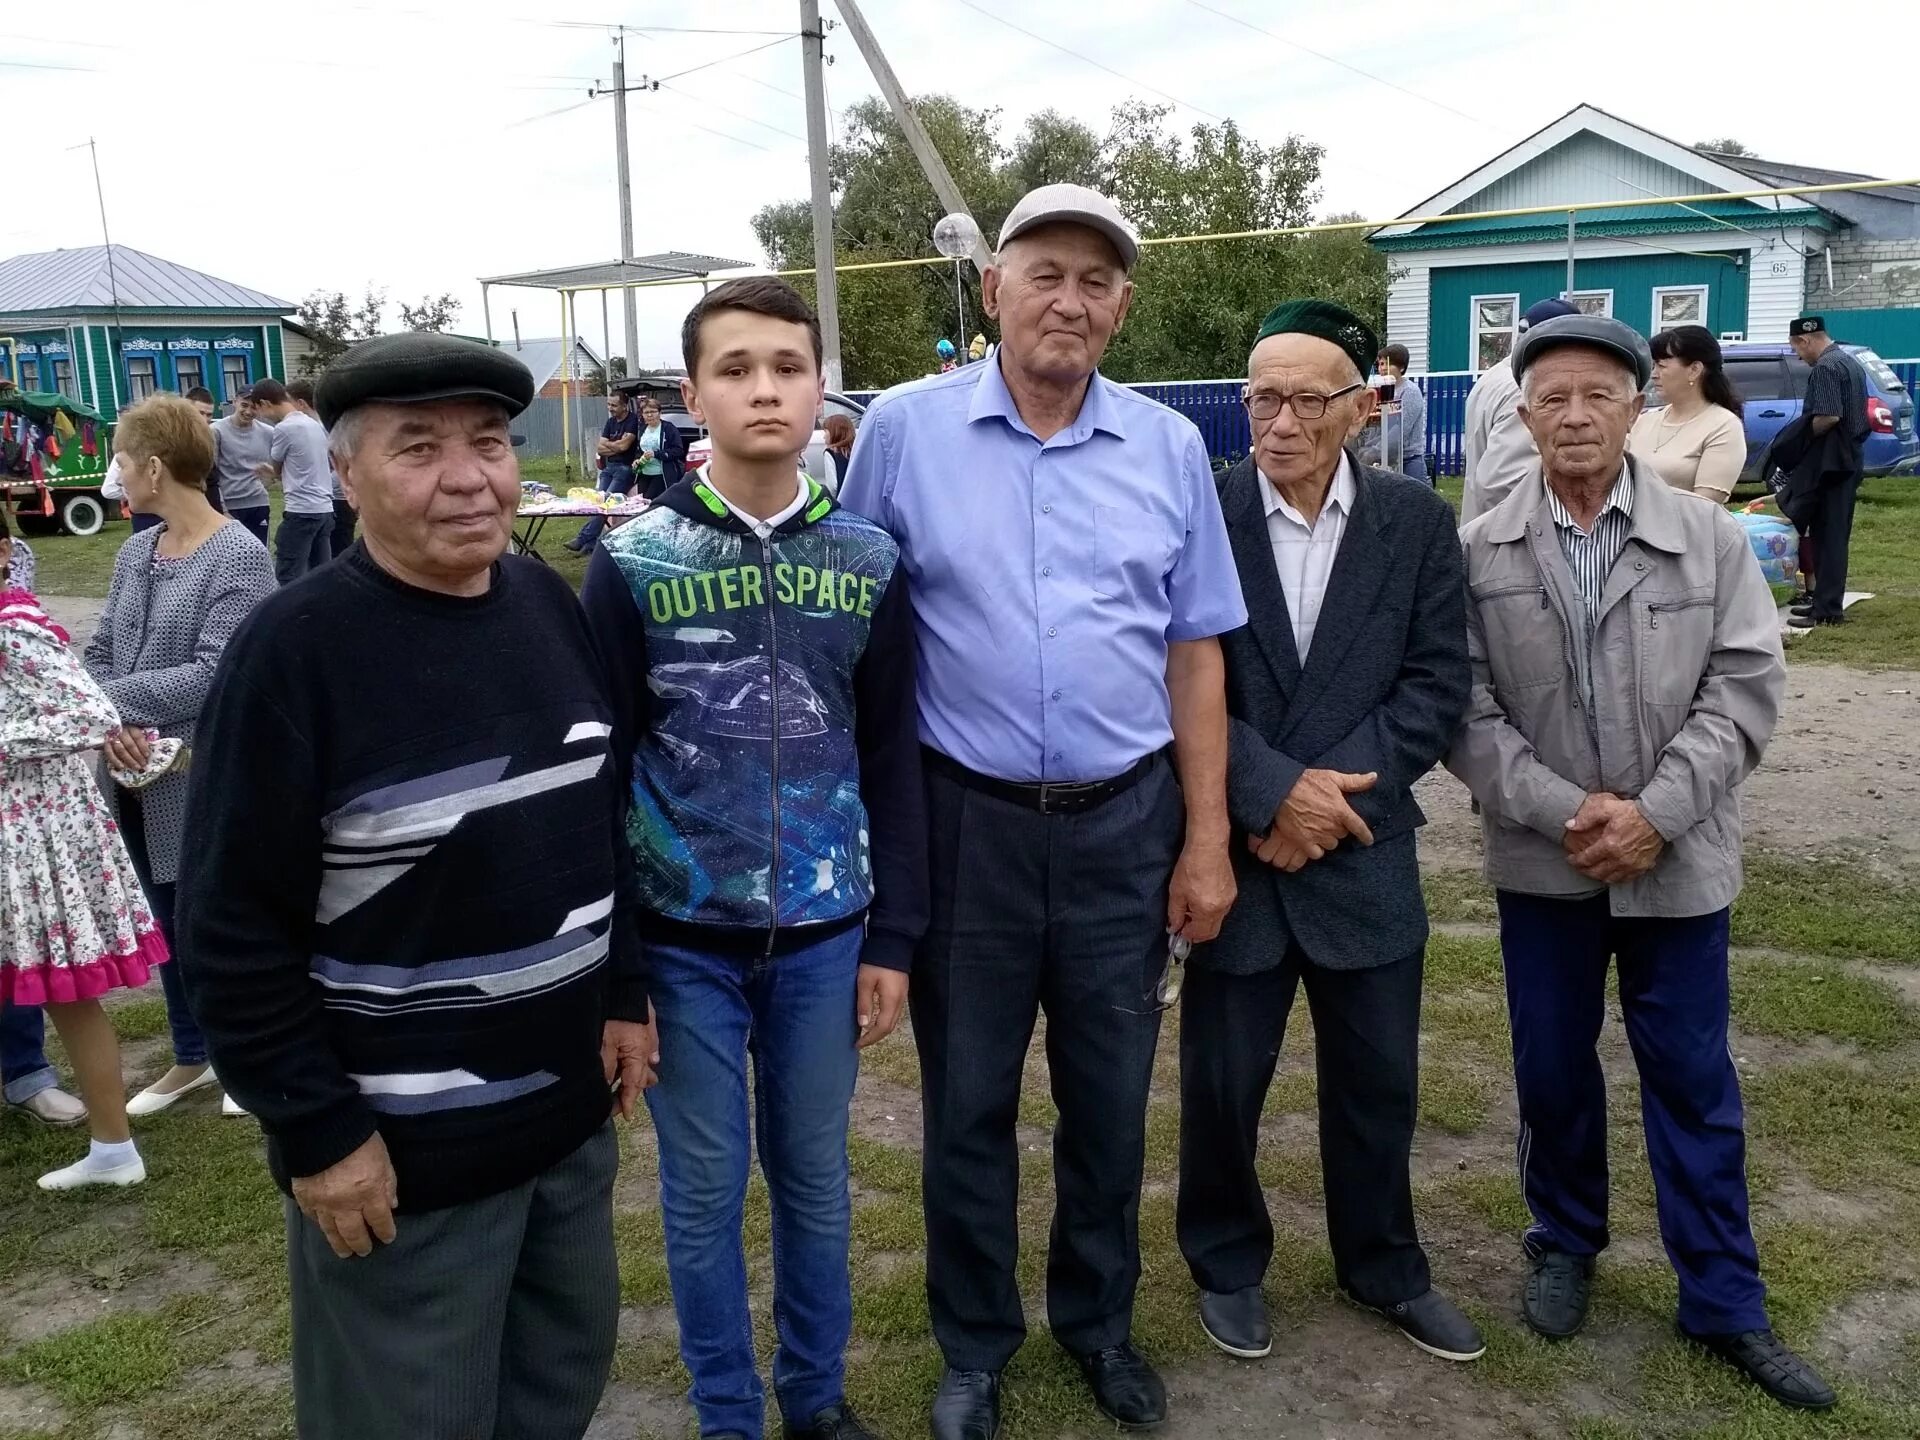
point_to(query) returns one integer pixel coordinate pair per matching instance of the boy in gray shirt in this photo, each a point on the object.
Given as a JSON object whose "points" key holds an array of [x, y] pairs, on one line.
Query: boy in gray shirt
{"points": [[297, 454], [241, 446]]}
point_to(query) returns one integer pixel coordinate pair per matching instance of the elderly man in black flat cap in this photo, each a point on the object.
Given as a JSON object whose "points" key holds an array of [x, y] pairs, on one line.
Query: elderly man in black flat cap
{"points": [[409, 930], [1343, 689]]}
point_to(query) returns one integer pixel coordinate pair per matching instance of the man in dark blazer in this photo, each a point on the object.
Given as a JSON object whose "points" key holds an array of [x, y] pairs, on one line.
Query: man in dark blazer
{"points": [[1343, 689]]}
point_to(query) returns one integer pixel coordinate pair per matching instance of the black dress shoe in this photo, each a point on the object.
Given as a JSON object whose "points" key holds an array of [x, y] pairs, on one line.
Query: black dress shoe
{"points": [[1437, 1326], [967, 1405], [1237, 1322], [1125, 1387], [1557, 1293], [836, 1422], [1764, 1358], [1806, 609]]}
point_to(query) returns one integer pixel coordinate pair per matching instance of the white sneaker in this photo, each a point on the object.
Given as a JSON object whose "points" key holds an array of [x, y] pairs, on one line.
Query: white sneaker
{"points": [[152, 1100], [82, 1173], [231, 1106], [54, 1106]]}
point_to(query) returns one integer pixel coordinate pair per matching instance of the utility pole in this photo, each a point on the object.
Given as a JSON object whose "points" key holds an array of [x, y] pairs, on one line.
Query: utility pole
{"points": [[627, 298], [918, 140], [826, 278]]}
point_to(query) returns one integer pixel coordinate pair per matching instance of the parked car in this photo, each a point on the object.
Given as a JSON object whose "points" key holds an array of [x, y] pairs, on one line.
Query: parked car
{"points": [[1772, 384], [666, 389], [815, 462]]}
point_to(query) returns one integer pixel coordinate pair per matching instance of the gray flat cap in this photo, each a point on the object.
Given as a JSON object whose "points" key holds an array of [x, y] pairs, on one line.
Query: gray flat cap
{"points": [[1599, 332], [412, 368], [1072, 205]]}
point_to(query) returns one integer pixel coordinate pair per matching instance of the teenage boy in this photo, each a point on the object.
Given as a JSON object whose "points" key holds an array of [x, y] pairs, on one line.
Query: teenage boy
{"points": [[761, 653]]}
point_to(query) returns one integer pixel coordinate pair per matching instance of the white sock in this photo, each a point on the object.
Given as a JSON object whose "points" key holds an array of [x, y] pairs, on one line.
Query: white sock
{"points": [[107, 1155]]}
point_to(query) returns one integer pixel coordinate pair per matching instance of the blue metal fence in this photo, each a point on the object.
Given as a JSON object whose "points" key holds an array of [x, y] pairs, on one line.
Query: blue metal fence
{"points": [[1214, 406]]}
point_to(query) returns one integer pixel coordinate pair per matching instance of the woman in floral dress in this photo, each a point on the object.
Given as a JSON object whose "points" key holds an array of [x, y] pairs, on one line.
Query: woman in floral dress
{"points": [[73, 921]]}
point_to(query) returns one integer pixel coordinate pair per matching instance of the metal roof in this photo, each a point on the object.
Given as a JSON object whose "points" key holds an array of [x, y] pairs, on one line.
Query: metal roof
{"points": [[542, 357], [1779, 175], [611, 274], [81, 279]]}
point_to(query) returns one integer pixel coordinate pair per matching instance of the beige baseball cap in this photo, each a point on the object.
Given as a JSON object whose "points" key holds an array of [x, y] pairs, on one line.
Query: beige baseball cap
{"points": [[1072, 205]]}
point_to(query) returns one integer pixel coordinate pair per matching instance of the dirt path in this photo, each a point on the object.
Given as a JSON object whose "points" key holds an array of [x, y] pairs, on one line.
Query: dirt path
{"points": [[1843, 772]]}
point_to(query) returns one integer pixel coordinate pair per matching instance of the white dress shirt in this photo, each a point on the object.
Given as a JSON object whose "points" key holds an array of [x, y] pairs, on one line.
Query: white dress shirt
{"points": [[1303, 553]]}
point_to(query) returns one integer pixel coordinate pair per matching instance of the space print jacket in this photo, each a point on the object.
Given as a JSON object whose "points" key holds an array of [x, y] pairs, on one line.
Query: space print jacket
{"points": [[763, 680]]}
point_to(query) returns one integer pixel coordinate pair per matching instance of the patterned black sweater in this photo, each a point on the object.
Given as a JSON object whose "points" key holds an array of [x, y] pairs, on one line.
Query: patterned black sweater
{"points": [[404, 901]]}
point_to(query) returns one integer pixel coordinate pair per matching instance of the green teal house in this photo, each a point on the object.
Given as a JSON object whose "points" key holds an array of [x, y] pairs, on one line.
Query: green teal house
{"points": [[109, 327], [1742, 268]]}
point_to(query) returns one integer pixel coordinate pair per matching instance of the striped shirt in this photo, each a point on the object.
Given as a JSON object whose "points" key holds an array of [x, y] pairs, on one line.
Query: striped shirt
{"points": [[1590, 556], [1303, 552], [1591, 553]]}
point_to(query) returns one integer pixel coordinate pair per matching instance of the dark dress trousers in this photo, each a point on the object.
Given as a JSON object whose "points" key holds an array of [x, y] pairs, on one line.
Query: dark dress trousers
{"points": [[1383, 688]]}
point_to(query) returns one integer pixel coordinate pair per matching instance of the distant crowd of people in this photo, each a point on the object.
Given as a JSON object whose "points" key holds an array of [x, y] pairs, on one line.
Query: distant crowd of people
{"points": [[1035, 717]]}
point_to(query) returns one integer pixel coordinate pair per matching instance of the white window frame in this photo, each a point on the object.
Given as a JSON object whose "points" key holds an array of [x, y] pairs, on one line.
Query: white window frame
{"points": [[1475, 329], [1655, 324], [147, 383], [1578, 295]]}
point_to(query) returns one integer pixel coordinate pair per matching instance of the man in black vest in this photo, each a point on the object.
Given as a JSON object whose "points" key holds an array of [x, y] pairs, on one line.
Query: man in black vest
{"points": [[1343, 689]]}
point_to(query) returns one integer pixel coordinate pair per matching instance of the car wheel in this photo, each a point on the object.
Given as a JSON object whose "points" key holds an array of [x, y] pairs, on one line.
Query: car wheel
{"points": [[83, 515]]}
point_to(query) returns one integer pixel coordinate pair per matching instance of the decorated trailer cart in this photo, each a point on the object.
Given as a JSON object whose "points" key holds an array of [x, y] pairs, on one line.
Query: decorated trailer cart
{"points": [[53, 461]]}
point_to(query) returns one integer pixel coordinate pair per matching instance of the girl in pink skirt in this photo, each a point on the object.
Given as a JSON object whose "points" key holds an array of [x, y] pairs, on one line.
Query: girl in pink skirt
{"points": [[73, 921]]}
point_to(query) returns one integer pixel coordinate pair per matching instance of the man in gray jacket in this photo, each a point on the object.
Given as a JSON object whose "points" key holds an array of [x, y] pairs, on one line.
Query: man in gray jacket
{"points": [[1627, 675]]}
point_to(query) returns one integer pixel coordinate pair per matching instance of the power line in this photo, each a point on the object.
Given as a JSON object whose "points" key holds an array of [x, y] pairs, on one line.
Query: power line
{"points": [[1088, 59], [712, 104], [727, 59], [724, 135], [638, 29], [549, 114], [1334, 60]]}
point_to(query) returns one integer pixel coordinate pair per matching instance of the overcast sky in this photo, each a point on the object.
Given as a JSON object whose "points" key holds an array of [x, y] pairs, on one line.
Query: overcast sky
{"points": [[414, 145]]}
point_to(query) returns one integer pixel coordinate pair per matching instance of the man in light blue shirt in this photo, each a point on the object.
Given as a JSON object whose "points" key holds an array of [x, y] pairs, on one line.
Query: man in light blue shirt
{"points": [[1070, 574]]}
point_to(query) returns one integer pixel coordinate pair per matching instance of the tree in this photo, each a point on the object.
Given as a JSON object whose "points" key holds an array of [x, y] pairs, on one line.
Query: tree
{"points": [[598, 376], [890, 319], [335, 323], [1197, 305], [1726, 145], [434, 313]]}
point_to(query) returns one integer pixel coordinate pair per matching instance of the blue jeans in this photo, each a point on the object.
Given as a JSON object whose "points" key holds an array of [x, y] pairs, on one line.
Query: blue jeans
{"points": [[793, 1018], [23, 1056], [1416, 468], [189, 1045], [1673, 998], [301, 544], [614, 480]]}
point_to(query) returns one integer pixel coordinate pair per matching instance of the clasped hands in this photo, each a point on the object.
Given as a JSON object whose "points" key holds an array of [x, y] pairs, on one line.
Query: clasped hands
{"points": [[1313, 819], [1609, 840]]}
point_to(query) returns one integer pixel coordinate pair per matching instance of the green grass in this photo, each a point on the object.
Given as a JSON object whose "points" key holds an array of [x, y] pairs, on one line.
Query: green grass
{"points": [[1845, 1125], [1801, 999], [1831, 906], [1885, 559], [123, 1357]]}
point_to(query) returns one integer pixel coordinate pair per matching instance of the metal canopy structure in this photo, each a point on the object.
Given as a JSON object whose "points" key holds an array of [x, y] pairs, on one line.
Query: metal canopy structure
{"points": [[570, 280], [618, 274]]}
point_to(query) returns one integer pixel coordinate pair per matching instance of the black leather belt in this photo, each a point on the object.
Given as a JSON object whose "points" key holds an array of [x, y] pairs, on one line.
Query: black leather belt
{"points": [[1047, 797]]}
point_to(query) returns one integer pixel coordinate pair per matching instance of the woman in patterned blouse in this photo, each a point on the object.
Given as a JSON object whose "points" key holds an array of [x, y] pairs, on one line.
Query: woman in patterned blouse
{"points": [[179, 591]]}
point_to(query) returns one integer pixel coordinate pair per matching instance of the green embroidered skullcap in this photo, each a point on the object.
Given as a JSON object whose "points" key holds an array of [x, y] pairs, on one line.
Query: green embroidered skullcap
{"points": [[1326, 321]]}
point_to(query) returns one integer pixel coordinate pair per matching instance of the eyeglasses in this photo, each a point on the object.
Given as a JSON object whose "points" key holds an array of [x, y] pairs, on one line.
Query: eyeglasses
{"points": [[1265, 405], [1167, 992]]}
